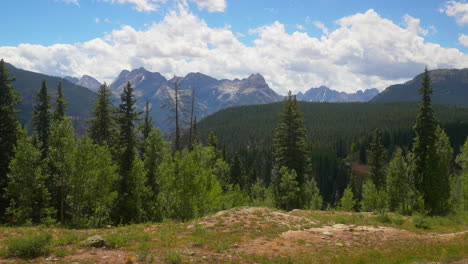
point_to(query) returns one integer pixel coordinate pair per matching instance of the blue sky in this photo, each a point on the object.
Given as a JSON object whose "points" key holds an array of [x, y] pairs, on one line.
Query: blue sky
{"points": [[72, 34]]}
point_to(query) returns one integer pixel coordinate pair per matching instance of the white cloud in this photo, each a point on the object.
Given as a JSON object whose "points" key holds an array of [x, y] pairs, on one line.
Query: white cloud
{"points": [[321, 26], [152, 5], [463, 39], [300, 27], [458, 10], [75, 2], [365, 51], [97, 20]]}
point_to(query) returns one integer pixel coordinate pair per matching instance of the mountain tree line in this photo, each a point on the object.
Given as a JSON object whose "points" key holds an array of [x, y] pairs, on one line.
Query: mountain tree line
{"points": [[125, 171]]}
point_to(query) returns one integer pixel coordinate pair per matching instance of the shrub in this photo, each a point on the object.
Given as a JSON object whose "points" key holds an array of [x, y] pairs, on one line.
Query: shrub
{"points": [[173, 257], [30, 245], [420, 221]]}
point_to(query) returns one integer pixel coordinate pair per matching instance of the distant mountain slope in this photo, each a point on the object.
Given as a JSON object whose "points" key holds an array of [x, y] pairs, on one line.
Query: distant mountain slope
{"points": [[450, 87], [325, 94], [211, 94], [28, 83], [89, 82], [327, 123]]}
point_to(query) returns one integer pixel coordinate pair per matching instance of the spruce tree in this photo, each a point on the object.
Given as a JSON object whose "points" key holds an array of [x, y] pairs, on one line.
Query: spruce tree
{"points": [[42, 119], [347, 201], [9, 129], [290, 144], [127, 117], [426, 176], [425, 129], [61, 104], [102, 125], [377, 160]]}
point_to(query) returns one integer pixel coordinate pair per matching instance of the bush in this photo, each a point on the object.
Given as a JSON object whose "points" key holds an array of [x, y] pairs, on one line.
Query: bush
{"points": [[173, 257], [30, 245], [420, 221], [398, 220]]}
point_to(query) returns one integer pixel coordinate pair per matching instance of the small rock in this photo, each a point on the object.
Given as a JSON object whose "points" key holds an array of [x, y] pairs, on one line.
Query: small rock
{"points": [[191, 253], [95, 241], [339, 244], [326, 233]]}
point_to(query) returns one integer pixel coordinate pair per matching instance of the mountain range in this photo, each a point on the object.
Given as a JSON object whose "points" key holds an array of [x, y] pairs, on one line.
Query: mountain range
{"points": [[325, 94], [211, 94], [450, 86]]}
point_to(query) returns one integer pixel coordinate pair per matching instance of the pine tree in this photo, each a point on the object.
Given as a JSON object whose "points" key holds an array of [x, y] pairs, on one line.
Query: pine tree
{"points": [[312, 198], [102, 128], [60, 107], [425, 129], [428, 159], [377, 160], [398, 187], [9, 130], [42, 118], [289, 142], [127, 117], [369, 197], [26, 190]]}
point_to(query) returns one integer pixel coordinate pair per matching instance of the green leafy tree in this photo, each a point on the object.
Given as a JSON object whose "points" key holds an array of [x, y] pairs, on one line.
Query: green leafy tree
{"points": [[398, 186], [42, 119], [290, 144], [313, 199], [61, 161], [261, 195], [91, 185], [26, 190], [347, 202], [377, 160], [156, 150], [438, 185], [369, 197], [460, 182], [102, 129], [61, 104], [9, 129], [188, 184], [287, 194]]}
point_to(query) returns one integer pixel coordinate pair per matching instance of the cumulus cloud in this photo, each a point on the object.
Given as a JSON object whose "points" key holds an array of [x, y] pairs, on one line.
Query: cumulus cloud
{"points": [[365, 51], [458, 10], [463, 39], [152, 5]]}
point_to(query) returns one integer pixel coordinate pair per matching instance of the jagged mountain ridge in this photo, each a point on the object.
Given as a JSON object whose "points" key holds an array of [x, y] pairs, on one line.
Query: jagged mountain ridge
{"points": [[211, 94], [325, 94], [450, 86], [89, 82]]}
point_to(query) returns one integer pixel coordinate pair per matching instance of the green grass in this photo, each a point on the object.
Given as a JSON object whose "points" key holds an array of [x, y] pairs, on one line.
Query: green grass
{"points": [[30, 245]]}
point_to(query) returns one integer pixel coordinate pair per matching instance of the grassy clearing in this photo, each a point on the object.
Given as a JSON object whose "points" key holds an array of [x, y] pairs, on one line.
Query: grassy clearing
{"points": [[244, 235]]}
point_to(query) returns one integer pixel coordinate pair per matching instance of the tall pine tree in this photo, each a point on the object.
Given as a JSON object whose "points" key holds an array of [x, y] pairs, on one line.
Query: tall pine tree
{"points": [[127, 117], [9, 129], [377, 160], [102, 125], [41, 119], [424, 147], [290, 143]]}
